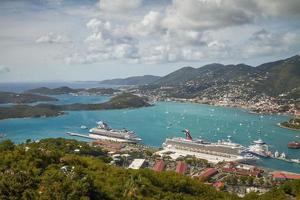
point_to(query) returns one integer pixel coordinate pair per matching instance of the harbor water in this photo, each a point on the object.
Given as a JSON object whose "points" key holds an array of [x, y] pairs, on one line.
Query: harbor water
{"points": [[165, 119]]}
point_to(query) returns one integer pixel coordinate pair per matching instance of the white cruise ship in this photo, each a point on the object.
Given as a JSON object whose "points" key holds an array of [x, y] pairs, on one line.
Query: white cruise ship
{"points": [[104, 132], [213, 152]]}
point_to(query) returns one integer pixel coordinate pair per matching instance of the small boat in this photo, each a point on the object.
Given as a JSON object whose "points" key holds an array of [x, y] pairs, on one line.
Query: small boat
{"points": [[83, 127], [294, 145], [295, 160], [2, 135]]}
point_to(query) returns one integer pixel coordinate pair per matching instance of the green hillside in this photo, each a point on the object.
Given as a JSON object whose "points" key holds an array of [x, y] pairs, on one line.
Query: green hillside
{"points": [[69, 169]]}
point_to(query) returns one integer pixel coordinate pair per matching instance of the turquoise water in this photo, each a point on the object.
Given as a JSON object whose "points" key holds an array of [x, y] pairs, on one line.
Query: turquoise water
{"points": [[165, 119]]}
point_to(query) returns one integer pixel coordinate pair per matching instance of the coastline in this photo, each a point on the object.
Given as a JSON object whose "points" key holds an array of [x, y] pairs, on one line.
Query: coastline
{"points": [[249, 110]]}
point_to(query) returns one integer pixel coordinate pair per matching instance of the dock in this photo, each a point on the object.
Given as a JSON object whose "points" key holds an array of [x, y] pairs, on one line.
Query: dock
{"points": [[79, 135]]}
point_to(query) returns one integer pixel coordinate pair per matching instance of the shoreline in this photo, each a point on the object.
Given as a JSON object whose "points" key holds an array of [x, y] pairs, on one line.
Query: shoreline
{"points": [[229, 106]]}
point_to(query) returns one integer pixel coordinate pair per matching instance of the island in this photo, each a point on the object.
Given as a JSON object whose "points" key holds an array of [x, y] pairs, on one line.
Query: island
{"points": [[68, 90], [293, 124], [121, 101], [20, 98]]}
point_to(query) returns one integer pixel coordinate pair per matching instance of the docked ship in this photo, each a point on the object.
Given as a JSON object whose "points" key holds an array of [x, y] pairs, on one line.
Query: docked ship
{"points": [[259, 148], [223, 150], [104, 132], [294, 145]]}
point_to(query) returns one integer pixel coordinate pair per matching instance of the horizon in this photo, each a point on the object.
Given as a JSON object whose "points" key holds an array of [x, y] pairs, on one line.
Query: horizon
{"points": [[107, 39]]}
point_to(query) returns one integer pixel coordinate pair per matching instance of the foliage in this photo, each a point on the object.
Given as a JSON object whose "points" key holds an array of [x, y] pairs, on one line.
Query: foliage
{"points": [[51, 169]]}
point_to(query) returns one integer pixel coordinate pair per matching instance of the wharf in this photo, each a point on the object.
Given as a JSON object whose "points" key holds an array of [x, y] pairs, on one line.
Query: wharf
{"points": [[79, 135]]}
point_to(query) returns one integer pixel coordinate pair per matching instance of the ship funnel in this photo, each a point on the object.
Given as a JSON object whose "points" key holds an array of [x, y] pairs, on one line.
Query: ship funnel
{"points": [[187, 134]]}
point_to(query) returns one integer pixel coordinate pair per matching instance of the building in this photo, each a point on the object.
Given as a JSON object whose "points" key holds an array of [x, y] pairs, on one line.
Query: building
{"points": [[219, 185], [159, 166], [281, 176], [181, 167], [241, 169], [137, 164], [208, 173]]}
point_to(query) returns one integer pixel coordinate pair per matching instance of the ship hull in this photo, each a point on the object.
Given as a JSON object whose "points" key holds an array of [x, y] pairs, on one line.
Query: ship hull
{"points": [[105, 137]]}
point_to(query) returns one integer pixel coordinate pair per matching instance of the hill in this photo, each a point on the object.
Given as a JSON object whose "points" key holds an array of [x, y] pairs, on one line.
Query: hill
{"points": [[67, 90], [272, 78], [17, 98], [120, 101], [135, 80], [271, 87], [54, 91], [69, 169]]}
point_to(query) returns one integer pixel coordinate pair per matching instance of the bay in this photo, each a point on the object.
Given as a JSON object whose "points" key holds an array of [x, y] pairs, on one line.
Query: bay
{"points": [[165, 119]]}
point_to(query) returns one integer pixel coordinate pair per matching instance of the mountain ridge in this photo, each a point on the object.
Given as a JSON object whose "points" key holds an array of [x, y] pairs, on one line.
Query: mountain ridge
{"points": [[133, 80]]}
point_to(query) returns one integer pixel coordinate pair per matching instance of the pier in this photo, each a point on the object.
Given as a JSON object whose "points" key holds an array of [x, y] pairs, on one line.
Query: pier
{"points": [[79, 135]]}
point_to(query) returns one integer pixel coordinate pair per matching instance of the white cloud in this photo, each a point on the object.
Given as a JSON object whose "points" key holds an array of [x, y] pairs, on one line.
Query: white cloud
{"points": [[185, 30], [119, 5], [52, 38], [264, 43], [204, 14]]}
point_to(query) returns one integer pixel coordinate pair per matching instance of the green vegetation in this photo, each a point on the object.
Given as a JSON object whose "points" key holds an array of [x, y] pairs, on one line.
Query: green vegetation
{"points": [[67, 90], [10, 97], [121, 101], [293, 123], [214, 80], [134, 80], [69, 169]]}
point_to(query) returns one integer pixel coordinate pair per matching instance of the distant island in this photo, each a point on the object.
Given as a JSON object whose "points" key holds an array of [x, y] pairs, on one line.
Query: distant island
{"points": [[20, 98], [67, 90], [121, 101], [293, 123], [134, 80]]}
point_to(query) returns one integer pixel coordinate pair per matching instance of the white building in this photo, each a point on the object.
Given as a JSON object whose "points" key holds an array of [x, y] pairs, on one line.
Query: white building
{"points": [[137, 164]]}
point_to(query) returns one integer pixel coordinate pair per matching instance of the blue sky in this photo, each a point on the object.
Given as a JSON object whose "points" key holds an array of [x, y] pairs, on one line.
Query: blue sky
{"points": [[65, 40]]}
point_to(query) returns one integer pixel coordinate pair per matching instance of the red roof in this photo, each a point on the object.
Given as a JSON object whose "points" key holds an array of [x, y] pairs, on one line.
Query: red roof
{"points": [[218, 184], [181, 167], [282, 175], [159, 166], [209, 172]]}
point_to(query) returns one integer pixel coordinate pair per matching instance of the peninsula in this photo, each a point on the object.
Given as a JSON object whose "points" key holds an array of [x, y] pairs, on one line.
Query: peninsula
{"points": [[121, 101], [19, 98], [68, 90], [293, 124]]}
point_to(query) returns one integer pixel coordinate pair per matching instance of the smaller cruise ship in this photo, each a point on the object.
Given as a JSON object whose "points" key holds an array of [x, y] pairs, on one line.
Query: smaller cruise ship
{"points": [[104, 132], [259, 148]]}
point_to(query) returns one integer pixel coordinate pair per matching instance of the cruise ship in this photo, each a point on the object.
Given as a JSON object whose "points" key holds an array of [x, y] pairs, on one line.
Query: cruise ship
{"points": [[223, 150], [104, 132]]}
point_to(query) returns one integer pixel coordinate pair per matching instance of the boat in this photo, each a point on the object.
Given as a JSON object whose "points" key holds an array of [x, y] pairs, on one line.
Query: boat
{"points": [[104, 132], [295, 160], [294, 145], [2, 135], [276, 154], [259, 148], [83, 127], [223, 150], [282, 155]]}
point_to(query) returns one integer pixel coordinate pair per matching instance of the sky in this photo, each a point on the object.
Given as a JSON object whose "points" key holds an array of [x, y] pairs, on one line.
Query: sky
{"points": [[91, 40]]}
